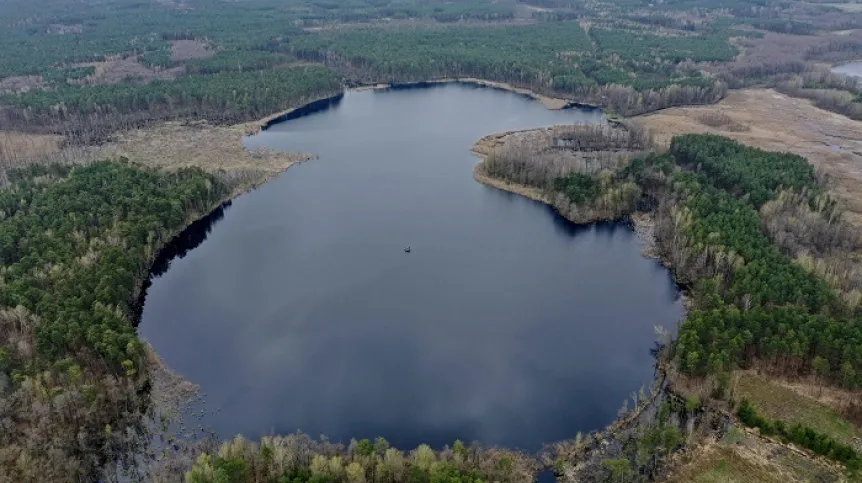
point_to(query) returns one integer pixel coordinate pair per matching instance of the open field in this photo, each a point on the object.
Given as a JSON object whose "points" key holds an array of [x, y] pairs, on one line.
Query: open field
{"points": [[174, 145], [751, 460], [16, 147], [773, 121], [789, 403]]}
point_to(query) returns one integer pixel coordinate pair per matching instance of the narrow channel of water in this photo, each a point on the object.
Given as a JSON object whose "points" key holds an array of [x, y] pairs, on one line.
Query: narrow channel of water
{"points": [[505, 324], [851, 68]]}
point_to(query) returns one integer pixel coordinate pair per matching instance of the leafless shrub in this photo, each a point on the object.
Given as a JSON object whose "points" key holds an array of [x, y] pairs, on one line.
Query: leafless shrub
{"points": [[537, 158], [818, 239], [721, 120]]}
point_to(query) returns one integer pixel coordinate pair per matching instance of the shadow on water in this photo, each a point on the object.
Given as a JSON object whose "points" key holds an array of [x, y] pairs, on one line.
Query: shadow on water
{"points": [[606, 229], [179, 246], [473, 85], [310, 108]]}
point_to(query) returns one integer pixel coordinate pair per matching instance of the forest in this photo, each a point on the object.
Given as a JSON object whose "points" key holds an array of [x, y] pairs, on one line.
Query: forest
{"points": [[88, 71], [755, 306], [226, 96], [751, 233], [77, 243], [721, 213], [559, 58], [629, 57]]}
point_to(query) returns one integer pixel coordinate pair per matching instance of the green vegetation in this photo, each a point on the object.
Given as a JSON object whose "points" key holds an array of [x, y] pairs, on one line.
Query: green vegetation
{"points": [[46, 229], [140, 48], [236, 60], [777, 402], [557, 57], [297, 459], [579, 188], [224, 97], [745, 172], [803, 436], [755, 303], [502, 53], [76, 244], [221, 96]]}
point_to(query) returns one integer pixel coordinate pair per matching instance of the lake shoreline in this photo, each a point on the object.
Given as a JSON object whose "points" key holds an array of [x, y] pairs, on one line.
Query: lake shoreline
{"points": [[550, 102], [528, 192], [643, 225]]}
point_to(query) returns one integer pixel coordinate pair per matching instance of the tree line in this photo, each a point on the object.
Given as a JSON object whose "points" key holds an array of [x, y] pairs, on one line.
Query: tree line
{"points": [[757, 305], [627, 72], [716, 204], [299, 459], [801, 435], [91, 112], [75, 245]]}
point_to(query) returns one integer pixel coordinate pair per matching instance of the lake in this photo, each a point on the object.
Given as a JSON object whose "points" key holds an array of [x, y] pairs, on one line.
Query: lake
{"points": [[851, 68], [505, 324]]}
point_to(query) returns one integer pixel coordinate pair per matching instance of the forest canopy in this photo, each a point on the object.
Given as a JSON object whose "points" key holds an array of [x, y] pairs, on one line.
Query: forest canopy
{"points": [[76, 245]]}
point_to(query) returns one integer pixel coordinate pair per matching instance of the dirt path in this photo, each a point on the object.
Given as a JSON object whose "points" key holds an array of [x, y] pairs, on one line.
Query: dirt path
{"points": [[770, 120]]}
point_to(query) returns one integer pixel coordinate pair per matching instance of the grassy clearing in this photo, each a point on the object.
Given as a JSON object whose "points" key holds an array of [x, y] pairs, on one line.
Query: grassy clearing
{"points": [[754, 460], [777, 402], [723, 464]]}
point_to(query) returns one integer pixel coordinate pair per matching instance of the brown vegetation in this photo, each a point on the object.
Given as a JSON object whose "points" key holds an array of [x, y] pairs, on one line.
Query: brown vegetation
{"points": [[21, 83], [216, 149], [44, 420], [537, 157], [18, 148], [120, 69], [182, 50], [721, 120], [780, 123], [803, 401], [825, 245], [746, 458], [170, 145], [531, 162]]}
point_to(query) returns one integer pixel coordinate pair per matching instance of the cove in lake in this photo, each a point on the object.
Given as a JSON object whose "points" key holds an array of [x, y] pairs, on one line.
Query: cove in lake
{"points": [[506, 324], [851, 68]]}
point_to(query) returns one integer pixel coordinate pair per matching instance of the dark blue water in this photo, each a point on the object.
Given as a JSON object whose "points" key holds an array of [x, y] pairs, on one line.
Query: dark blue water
{"points": [[505, 324]]}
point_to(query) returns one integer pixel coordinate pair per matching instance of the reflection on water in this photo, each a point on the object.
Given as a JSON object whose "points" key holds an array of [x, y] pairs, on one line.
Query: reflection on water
{"points": [[505, 324]]}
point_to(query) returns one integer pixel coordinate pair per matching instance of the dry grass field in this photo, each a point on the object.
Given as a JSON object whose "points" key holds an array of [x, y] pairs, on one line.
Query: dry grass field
{"points": [[770, 120]]}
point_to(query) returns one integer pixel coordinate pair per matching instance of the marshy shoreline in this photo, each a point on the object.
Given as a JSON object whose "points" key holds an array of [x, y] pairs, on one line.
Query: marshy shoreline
{"points": [[196, 225]]}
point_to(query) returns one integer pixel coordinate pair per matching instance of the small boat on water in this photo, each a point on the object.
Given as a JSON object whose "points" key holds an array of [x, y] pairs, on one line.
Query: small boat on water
{"points": [[406, 249]]}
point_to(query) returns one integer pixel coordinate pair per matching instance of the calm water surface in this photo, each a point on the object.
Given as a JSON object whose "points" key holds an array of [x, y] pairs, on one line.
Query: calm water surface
{"points": [[506, 324], [851, 68]]}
